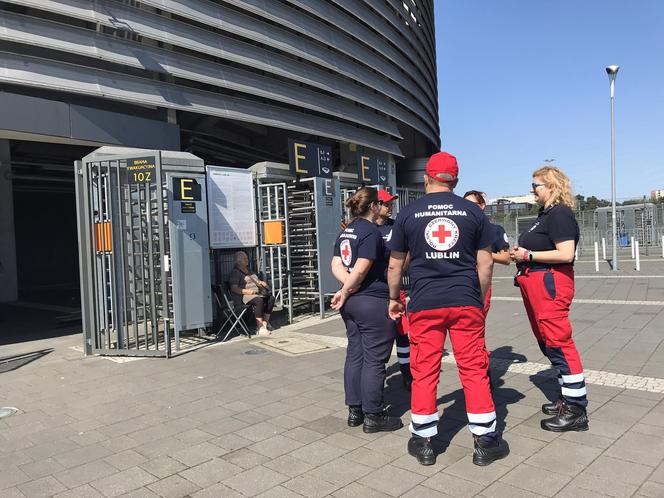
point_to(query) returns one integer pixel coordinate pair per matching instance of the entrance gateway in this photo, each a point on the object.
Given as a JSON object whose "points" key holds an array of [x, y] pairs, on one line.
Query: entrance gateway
{"points": [[145, 246], [144, 250]]}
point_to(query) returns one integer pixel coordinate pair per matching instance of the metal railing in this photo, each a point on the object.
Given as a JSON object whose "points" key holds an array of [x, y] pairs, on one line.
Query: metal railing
{"points": [[647, 231]]}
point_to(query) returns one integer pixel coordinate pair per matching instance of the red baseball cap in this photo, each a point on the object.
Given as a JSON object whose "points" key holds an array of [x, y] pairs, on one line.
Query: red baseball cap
{"points": [[385, 196], [443, 167]]}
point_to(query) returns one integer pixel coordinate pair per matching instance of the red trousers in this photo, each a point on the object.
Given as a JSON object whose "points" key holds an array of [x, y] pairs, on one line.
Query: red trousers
{"points": [[487, 301], [547, 296], [428, 329]]}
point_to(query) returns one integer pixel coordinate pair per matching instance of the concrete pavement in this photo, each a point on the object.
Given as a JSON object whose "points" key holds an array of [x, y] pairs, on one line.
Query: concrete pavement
{"points": [[250, 419]]}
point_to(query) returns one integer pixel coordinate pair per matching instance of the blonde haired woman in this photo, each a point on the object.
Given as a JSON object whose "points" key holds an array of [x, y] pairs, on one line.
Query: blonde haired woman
{"points": [[545, 262]]}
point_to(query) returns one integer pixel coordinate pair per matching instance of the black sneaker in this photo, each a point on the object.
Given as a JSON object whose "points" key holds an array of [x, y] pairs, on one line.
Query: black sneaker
{"points": [[355, 416], [569, 418], [552, 408], [381, 422], [422, 449], [489, 450]]}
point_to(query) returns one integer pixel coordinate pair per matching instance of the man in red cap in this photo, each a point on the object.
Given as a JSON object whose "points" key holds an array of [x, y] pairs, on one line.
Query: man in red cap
{"points": [[449, 241], [385, 223]]}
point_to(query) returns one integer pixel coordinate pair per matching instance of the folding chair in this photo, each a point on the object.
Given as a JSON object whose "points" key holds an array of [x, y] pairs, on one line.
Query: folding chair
{"points": [[234, 314]]}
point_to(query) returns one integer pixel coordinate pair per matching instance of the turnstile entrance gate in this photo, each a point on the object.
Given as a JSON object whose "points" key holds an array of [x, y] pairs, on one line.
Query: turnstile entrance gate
{"points": [[274, 256], [143, 250], [299, 223], [313, 226]]}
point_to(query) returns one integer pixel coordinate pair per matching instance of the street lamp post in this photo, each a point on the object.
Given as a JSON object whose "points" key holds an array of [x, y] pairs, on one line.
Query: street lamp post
{"points": [[612, 71]]}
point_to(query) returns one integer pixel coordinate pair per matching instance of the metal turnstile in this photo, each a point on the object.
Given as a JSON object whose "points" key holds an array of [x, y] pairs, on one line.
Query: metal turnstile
{"points": [[306, 217], [274, 254], [136, 268], [303, 245], [313, 210], [309, 210]]}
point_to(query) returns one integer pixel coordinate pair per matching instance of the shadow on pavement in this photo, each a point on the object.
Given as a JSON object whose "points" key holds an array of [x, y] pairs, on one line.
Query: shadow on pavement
{"points": [[10, 363], [24, 324], [20, 324], [547, 382]]}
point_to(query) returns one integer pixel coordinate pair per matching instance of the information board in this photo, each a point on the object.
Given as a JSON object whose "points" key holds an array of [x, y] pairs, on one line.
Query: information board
{"points": [[141, 170], [309, 159], [372, 168], [231, 209]]}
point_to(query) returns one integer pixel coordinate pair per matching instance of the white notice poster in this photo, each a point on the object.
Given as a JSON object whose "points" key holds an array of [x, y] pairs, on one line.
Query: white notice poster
{"points": [[231, 212]]}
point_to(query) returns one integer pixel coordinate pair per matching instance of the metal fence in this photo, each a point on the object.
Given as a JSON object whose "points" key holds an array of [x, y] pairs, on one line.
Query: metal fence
{"points": [[647, 228]]}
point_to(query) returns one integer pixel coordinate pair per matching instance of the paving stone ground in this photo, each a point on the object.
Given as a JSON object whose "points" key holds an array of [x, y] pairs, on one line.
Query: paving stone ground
{"points": [[218, 422]]}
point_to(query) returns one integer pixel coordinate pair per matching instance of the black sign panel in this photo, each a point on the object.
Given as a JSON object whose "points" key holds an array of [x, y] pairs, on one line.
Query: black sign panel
{"points": [[186, 189], [141, 170], [188, 207], [309, 159], [372, 168], [381, 162]]}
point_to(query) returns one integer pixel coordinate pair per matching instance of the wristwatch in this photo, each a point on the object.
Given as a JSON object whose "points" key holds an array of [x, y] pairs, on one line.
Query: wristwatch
{"points": [[530, 255]]}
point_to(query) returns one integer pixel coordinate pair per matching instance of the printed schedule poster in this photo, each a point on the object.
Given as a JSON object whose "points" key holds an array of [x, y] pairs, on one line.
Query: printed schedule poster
{"points": [[231, 212]]}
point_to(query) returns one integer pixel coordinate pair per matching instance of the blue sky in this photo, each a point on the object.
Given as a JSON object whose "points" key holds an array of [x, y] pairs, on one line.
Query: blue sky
{"points": [[521, 81]]}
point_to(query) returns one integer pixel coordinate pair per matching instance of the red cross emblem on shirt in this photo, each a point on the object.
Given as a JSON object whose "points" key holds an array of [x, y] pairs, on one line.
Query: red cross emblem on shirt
{"points": [[441, 234], [346, 252]]}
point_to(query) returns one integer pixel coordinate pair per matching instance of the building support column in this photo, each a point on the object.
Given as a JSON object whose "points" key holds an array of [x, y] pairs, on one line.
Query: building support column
{"points": [[391, 173], [8, 275]]}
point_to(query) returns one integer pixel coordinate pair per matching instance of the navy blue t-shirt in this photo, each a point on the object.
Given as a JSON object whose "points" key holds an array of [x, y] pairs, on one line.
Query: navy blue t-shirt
{"points": [[386, 232], [554, 224], [361, 239], [501, 242], [443, 233]]}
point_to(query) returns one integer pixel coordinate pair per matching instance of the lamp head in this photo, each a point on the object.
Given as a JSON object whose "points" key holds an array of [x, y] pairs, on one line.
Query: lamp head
{"points": [[612, 72]]}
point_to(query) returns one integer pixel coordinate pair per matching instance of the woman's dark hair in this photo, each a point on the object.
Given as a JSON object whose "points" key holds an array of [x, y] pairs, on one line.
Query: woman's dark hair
{"points": [[358, 204], [480, 196]]}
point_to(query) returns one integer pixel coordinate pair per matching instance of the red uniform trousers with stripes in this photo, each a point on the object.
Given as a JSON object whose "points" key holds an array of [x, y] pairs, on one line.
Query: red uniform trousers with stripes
{"points": [[547, 296], [428, 329]]}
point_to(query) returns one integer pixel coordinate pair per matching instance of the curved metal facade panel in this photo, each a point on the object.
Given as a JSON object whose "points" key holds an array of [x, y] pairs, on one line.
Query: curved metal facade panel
{"points": [[394, 65], [329, 68], [75, 79], [83, 42]]}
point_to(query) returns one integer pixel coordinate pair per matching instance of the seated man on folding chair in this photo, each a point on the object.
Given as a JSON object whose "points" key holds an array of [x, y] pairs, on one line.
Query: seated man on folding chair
{"points": [[248, 288]]}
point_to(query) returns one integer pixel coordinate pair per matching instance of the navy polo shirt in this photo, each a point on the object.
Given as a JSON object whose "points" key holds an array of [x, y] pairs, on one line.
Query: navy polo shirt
{"points": [[443, 233], [361, 239], [554, 224], [501, 242]]}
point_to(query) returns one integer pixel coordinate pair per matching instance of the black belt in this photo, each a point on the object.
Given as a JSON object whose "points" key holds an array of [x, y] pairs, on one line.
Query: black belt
{"points": [[528, 267]]}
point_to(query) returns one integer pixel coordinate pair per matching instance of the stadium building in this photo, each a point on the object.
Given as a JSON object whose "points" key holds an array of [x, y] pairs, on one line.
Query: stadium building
{"points": [[227, 80]]}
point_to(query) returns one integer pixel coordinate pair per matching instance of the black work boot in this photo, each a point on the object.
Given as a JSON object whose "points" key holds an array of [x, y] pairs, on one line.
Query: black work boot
{"points": [[552, 408], [489, 449], [355, 416], [381, 422], [422, 449], [569, 418]]}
